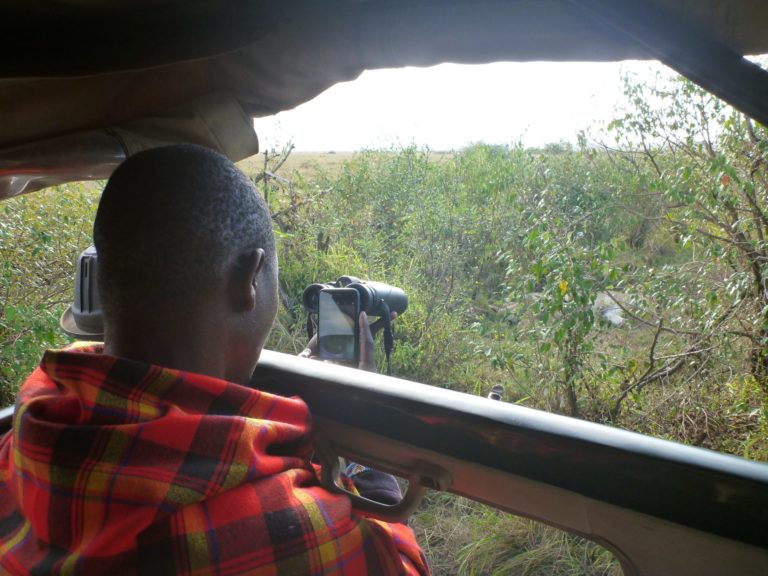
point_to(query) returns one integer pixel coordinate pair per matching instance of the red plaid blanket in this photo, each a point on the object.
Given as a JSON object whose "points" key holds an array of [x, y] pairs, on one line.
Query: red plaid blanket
{"points": [[119, 467]]}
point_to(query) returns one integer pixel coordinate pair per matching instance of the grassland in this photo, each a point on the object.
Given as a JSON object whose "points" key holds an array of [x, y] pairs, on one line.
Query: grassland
{"points": [[309, 164], [303, 163]]}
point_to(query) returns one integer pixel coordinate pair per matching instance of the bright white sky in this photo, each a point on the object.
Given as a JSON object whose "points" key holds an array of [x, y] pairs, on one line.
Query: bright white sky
{"points": [[449, 106]]}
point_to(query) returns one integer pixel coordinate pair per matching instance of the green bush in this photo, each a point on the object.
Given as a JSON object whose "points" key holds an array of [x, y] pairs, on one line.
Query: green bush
{"points": [[41, 236]]}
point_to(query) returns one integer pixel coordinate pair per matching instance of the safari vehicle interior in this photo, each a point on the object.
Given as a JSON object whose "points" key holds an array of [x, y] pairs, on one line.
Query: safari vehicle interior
{"points": [[87, 83]]}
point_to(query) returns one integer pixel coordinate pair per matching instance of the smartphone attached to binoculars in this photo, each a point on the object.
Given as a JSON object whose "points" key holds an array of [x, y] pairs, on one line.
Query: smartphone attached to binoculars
{"points": [[338, 306]]}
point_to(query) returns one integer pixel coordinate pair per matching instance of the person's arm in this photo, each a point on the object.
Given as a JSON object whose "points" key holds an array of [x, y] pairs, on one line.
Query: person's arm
{"points": [[394, 540], [372, 484]]}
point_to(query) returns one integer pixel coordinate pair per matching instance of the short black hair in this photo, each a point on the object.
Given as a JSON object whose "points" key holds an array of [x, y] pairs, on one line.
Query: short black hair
{"points": [[170, 221]]}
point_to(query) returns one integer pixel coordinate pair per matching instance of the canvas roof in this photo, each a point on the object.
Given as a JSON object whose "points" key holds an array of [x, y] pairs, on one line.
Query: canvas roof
{"points": [[167, 70]]}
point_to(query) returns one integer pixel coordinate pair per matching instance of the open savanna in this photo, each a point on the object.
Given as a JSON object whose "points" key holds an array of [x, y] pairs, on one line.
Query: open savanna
{"points": [[307, 164], [304, 163]]}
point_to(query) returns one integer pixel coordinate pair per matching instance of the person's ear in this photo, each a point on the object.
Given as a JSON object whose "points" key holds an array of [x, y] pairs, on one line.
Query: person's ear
{"points": [[244, 280]]}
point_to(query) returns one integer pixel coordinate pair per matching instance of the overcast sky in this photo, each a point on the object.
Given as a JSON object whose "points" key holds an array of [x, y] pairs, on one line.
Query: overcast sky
{"points": [[449, 106]]}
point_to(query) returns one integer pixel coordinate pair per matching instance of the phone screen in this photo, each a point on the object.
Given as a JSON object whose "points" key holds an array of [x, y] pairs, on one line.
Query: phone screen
{"points": [[337, 327]]}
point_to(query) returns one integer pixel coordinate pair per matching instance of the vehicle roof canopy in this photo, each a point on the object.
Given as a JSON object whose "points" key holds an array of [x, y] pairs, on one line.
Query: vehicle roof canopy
{"points": [[158, 71]]}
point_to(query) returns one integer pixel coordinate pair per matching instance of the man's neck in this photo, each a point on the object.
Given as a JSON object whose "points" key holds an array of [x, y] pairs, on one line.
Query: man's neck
{"points": [[191, 348]]}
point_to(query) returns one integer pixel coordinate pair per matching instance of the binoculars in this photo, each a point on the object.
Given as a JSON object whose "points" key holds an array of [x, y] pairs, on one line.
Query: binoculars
{"points": [[373, 295]]}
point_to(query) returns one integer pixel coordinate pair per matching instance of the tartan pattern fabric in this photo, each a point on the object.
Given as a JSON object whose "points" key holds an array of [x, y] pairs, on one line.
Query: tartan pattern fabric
{"points": [[119, 467]]}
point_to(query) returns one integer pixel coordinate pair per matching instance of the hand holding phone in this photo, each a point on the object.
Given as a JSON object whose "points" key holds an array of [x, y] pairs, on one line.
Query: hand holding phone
{"points": [[367, 332]]}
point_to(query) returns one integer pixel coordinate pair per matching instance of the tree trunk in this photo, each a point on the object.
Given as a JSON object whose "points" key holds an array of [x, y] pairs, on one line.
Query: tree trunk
{"points": [[759, 357], [573, 405], [572, 365]]}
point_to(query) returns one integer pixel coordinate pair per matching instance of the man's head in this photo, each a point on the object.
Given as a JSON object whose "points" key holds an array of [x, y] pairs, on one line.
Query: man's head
{"points": [[187, 262]]}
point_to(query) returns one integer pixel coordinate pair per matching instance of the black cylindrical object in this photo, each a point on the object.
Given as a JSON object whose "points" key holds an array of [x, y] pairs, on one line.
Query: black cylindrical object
{"points": [[373, 293], [311, 296]]}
